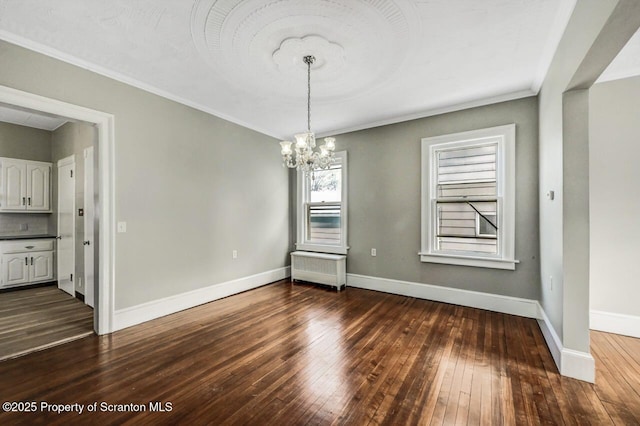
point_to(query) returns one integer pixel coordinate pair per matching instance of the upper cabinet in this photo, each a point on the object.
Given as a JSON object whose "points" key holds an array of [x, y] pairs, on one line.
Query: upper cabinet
{"points": [[25, 186]]}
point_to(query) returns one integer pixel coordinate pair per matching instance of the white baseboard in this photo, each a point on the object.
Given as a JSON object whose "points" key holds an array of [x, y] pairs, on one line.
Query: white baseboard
{"points": [[550, 336], [474, 299], [579, 365], [138, 314], [628, 325], [570, 363]]}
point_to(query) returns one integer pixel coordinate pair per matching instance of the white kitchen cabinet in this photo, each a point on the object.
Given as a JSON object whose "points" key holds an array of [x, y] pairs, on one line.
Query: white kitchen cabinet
{"points": [[14, 184], [26, 261], [38, 187], [16, 269], [41, 266], [25, 186]]}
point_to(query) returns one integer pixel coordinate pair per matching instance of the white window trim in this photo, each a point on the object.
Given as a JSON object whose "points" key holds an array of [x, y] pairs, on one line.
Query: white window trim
{"points": [[301, 244], [506, 138]]}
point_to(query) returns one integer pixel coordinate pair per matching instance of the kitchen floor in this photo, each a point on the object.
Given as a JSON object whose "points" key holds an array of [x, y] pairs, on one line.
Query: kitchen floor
{"points": [[38, 318]]}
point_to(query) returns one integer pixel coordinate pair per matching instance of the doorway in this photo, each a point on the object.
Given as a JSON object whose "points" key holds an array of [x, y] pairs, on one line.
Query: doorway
{"points": [[103, 226]]}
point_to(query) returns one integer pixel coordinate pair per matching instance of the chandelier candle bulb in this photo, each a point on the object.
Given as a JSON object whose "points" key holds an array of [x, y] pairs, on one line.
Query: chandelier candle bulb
{"points": [[286, 148], [330, 143], [301, 140]]}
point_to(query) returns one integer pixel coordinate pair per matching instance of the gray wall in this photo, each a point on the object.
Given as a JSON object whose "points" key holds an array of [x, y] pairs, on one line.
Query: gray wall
{"points": [[384, 200], [25, 143], [191, 187], [596, 32], [614, 196], [585, 24], [70, 140]]}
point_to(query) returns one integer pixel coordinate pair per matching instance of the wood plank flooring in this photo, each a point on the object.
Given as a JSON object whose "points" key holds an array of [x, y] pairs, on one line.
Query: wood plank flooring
{"points": [[37, 318], [288, 354]]}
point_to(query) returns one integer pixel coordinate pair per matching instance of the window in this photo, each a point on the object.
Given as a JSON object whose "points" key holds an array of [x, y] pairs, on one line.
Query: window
{"points": [[322, 218], [468, 198]]}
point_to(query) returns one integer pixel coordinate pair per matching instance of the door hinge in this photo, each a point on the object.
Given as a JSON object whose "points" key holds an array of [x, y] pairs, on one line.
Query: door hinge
{"points": [[71, 278], [71, 172]]}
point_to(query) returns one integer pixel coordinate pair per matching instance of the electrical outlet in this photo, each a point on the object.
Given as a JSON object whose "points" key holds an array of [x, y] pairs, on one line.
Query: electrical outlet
{"points": [[234, 254], [374, 253], [79, 282], [24, 226], [122, 227]]}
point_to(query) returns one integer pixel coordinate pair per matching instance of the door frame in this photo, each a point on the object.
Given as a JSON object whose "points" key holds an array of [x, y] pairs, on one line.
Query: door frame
{"points": [[105, 178], [89, 221], [67, 161]]}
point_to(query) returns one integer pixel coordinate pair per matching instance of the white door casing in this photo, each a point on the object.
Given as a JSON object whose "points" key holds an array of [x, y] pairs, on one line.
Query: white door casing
{"points": [[89, 215], [66, 224]]}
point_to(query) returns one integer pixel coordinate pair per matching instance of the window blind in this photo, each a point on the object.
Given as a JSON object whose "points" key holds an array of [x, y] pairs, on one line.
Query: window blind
{"points": [[466, 202]]}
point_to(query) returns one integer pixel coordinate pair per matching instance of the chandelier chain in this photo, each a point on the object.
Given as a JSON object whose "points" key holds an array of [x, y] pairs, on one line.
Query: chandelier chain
{"points": [[303, 156], [309, 60]]}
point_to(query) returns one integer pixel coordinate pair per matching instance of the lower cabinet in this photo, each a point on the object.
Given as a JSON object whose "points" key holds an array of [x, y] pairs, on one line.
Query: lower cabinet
{"points": [[26, 262], [41, 266]]}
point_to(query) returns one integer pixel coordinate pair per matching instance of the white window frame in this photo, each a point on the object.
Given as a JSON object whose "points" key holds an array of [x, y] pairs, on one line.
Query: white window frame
{"points": [[505, 137], [303, 199]]}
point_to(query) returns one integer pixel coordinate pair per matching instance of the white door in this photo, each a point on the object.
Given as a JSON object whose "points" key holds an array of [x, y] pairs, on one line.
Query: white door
{"points": [[89, 214], [16, 268], [41, 266], [38, 187], [14, 185], [66, 224]]}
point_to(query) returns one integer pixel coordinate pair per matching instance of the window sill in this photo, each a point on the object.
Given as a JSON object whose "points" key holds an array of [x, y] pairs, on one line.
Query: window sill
{"points": [[480, 262], [319, 248]]}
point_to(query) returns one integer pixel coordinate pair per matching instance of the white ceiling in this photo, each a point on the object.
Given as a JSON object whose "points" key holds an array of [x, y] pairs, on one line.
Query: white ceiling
{"points": [[9, 114], [379, 61]]}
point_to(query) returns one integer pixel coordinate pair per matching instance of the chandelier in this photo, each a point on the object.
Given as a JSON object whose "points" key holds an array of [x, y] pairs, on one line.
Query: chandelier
{"points": [[303, 156]]}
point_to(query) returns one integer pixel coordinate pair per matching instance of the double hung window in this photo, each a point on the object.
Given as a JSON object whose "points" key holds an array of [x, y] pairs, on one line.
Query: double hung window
{"points": [[468, 197], [322, 207]]}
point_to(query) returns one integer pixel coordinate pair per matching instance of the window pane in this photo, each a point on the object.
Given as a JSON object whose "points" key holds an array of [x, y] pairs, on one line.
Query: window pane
{"points": [[474, 245], [459, 219], [487, 225], [324, 224], [326, 185], [467, 165]]}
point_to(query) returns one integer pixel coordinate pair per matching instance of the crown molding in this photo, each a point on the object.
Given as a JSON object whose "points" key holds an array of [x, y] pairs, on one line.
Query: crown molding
{"points": [[73, 60]]}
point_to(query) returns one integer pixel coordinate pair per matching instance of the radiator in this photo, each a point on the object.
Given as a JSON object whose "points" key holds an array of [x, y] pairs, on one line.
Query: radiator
{"points": [[321, 268]]}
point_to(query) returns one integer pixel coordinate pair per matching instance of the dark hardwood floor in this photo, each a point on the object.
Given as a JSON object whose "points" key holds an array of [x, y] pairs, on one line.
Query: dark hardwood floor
{"points": [[33, 319], [299, 354]]}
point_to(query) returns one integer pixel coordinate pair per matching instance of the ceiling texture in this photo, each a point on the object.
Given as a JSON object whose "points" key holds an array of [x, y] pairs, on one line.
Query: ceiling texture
{"points": [[28, 118], [378, 61]]}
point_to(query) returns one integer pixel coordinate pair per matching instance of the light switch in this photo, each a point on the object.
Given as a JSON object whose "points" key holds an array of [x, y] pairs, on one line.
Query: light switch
{"points": [[122, 227]]}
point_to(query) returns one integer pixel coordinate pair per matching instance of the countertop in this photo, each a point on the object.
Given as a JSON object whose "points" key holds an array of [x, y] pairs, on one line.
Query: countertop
{"points": [[24, 237]]}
